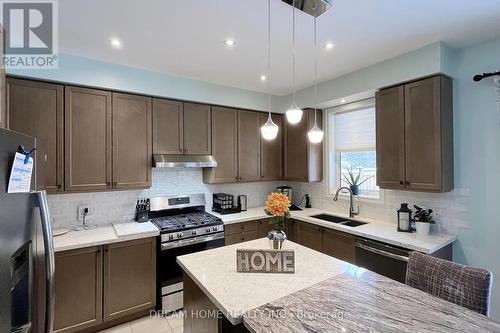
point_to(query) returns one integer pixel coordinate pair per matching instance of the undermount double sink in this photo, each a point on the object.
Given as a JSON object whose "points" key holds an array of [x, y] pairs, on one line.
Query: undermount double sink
{"points": [[338, 220]]}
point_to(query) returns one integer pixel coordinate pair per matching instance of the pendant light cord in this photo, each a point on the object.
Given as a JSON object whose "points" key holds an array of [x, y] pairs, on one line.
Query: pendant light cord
{"points": [[293, 48], [315, 67], [269, 56]]}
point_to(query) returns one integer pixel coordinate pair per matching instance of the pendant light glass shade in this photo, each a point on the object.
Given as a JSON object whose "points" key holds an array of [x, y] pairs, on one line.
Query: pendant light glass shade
{"points": [[315, 134], [269, 130], [294, 114]]}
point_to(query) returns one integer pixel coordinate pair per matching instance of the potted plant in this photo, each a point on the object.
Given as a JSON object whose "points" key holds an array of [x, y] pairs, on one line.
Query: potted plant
{"points": [[278, 206], [353, 178], [423, 220]]}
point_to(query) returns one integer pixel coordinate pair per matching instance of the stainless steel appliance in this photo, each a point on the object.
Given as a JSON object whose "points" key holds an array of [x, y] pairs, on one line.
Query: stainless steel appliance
{"points": [[242, 202], [381, 258], [26, 251], [287, 190], [185, 227], [184, 161]]}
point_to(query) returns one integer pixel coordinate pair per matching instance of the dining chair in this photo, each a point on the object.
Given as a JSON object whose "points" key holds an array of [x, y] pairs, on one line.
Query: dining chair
{"points": [[463, 285]]}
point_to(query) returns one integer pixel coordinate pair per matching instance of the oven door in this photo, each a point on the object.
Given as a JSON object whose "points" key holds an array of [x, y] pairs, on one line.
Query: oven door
{"points": [[169, 294]]}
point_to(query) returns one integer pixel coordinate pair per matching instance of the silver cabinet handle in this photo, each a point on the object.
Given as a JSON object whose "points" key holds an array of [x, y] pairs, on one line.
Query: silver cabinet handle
{"points": [[49, 260], [382, 252]]}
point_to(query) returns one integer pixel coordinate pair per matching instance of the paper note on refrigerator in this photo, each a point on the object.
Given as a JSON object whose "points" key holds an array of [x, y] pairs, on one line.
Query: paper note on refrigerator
{"points": [[20, 175]]}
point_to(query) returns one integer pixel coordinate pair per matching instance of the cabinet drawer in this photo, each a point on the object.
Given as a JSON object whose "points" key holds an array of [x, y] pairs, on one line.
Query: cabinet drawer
{"points": [[251, 235], [233, 239], [235, 228]]}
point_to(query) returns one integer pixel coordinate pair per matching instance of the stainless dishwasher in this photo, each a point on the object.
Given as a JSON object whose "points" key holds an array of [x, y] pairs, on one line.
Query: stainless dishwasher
{"points": [[381, 258]]}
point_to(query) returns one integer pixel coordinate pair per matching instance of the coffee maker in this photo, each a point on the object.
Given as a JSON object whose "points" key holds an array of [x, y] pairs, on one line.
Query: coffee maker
{"points": [[287, 190]]}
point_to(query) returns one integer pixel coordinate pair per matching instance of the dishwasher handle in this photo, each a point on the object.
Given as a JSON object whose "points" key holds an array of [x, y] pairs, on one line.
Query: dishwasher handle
{"points": [[381, 252]]}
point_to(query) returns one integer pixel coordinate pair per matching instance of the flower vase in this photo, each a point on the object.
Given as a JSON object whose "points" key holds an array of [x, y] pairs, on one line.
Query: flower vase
{"points": [[276, 239]]}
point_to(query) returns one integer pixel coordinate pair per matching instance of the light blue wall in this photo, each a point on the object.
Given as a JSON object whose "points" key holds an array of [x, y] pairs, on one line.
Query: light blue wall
{"points": [[477, 159], [90, 72]]}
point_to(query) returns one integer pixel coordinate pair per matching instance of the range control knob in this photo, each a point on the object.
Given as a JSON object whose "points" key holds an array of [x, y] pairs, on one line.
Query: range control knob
{"points": [[208, 229], [170, 237], [179, 235], [214, 229], [194, 232]]}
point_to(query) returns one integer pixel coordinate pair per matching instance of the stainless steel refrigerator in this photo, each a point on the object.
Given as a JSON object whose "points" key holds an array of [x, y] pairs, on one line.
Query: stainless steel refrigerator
{"points": [[26, 248]]}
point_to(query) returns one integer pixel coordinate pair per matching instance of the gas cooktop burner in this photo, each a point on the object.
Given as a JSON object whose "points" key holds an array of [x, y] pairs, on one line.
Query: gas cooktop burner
{"points": [[185, 221]]}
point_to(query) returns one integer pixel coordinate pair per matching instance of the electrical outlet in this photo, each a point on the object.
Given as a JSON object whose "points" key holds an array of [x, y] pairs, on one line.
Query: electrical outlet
{"points": [[82, 209]]}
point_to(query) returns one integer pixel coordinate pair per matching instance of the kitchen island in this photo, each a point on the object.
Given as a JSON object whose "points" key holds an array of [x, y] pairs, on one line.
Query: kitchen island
{"points": [[325, 294]]}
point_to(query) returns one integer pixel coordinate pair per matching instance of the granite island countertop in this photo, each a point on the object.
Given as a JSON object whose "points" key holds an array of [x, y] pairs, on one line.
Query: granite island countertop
{"points": [[363, 301], [233, 293], [105, 234], [375, 230]]}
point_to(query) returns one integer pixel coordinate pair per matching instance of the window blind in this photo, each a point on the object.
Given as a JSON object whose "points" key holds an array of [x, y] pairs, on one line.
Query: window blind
{"points": [[354, 130]]}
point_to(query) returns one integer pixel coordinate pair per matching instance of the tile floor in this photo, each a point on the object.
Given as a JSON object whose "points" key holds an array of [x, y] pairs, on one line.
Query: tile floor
{"points": [[169, 324]]}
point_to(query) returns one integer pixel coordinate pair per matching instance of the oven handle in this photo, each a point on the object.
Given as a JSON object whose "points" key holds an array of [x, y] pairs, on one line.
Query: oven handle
{"points": [[382, 252], [191, 241]]}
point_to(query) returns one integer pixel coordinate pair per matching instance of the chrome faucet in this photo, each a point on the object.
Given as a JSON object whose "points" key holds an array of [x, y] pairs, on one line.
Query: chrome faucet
{"points": [[352, 212]]}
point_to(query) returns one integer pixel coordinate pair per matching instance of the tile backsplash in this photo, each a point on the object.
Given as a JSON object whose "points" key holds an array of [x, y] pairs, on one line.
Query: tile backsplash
{"points": [[117, 206], [451, 208]]}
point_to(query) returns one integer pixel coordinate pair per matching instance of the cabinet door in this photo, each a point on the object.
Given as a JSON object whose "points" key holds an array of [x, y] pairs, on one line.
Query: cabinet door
{"points": [[131, 141], [87, 118], [197, 129], [224, 146], [167, 127], [296, 157], [248, 146], [265, 227], [423, 134], [390, 119], [291, 230], [271, 151], [310, 235], [339, 245], [36, 109], [3, 85], [78, 289], [129, 277]]}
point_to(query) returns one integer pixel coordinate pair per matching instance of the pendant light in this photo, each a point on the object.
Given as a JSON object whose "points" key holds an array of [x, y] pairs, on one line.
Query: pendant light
{"points": [[294, 113], [269, 130], [315, 134]]}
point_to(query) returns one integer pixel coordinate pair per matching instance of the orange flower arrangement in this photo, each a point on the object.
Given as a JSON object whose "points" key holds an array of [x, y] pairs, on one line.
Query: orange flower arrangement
{"points": [[278, 205]]}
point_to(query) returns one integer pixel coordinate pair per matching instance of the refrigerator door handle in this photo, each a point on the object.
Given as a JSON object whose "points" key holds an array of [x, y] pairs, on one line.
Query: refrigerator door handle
{"points": [[49, 260]]}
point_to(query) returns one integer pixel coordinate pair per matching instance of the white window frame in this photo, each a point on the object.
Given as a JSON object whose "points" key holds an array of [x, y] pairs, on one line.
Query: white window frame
{"points": [[331, 168]]}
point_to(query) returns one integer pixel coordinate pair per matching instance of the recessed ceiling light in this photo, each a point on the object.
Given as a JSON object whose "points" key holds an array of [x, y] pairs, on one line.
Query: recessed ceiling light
{"points": [[329, 46], [115, 42], [343, 101], [263, 78], [229, 42]]}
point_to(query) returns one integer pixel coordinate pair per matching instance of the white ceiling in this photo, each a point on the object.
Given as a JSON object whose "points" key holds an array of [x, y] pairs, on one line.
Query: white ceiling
{"points": [[185, 37]]}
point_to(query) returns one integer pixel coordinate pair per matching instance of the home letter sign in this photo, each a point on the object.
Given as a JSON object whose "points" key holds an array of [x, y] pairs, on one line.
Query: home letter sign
{"points": [[265, 261]]}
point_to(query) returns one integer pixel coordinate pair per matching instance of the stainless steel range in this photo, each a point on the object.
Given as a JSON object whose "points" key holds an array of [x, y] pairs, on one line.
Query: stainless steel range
{"points": [[185, 228]]}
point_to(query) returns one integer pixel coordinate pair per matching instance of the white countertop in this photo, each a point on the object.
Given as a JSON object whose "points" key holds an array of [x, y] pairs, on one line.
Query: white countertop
{"points": [[214, 271], [106, 234], [376, 230]]}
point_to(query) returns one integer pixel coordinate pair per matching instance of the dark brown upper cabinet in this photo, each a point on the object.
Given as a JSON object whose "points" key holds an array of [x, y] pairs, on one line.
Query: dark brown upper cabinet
{"points": [[168, 127], [420, 150], [224, 146], [271, 151], [197, 129], [303, 161], [3, 85], [181, 128], [36, 109], [248, 146], [390, 122], [132, 154], [87, 118]]}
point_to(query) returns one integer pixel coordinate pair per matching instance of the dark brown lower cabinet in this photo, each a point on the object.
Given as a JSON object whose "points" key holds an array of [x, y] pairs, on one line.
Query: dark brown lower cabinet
{"points": [[264, 227], [98, 287], [241, 232], [339, 245], [78, 292], [129, 277], [310, 236]]}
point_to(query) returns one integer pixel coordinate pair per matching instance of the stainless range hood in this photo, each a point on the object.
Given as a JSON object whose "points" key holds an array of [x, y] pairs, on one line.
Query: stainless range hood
{"points": [[184, 161]]}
